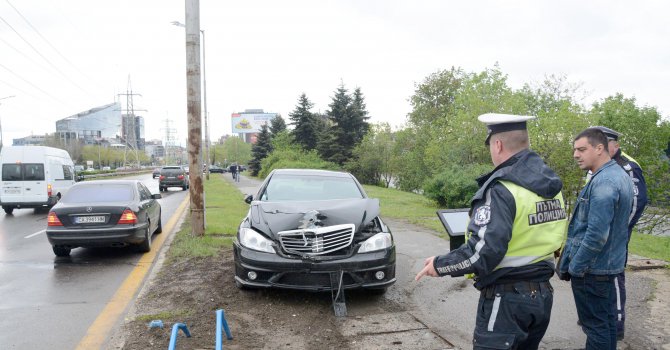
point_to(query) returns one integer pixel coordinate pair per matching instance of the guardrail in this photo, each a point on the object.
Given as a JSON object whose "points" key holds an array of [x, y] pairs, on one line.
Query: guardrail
{"points": [[83, 176]]}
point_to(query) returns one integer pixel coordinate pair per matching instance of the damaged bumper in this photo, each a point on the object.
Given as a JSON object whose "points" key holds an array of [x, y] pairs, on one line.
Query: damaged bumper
{"points": [[373, 270]]}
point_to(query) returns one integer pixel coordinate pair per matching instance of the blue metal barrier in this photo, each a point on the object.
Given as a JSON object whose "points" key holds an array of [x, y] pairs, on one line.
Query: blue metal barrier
{"points": [[221, 322], [175, 331]]}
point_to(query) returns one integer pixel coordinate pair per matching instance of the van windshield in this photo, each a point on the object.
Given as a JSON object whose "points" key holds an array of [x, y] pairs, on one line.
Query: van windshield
{"points": [[23, 172]]}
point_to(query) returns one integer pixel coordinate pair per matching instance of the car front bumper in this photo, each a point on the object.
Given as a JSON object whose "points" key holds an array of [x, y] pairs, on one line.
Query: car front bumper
{"points": [[96, 237], [272, 270]]}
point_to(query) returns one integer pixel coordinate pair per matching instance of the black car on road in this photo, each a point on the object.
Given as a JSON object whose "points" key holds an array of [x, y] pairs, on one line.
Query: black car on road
{"points": [[304, 226], [104, 213], [173, 176], [216, 169]]}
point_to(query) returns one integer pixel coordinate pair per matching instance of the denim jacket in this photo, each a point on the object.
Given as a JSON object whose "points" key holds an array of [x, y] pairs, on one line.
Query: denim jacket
{"points": [[598, 229]]}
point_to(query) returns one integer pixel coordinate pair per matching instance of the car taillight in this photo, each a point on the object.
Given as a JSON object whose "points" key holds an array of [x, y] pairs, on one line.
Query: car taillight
{"points": [[49, 190], [52, 220], [128, 217], [180, 177], [161, 177]]}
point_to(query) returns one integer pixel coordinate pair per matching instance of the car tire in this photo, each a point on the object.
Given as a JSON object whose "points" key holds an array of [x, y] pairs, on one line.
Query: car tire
{"points": [[145, 246], [8, 210], [159, 229], [61, 251]]}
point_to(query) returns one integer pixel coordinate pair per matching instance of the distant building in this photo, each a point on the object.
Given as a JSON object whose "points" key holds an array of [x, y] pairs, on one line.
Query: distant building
{"points": [[91, 126], [32, 140], [132, 131], [154, 149]]}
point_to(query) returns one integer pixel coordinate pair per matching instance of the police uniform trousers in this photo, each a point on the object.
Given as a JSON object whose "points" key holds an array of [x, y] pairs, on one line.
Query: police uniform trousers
{"points": [[513, 315]]}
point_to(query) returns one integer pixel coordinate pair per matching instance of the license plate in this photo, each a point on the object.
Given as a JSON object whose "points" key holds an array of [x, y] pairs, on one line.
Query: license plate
{"points": [[12, 191], [89, 219]]}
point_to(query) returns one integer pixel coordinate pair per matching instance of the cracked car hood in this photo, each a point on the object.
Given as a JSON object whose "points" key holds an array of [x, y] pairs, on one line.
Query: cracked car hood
{"points": [[273, 217]]}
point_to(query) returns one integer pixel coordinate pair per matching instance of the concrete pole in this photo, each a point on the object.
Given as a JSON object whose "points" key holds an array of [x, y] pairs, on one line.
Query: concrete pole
{"points": [[193, 84], [204, 91]]}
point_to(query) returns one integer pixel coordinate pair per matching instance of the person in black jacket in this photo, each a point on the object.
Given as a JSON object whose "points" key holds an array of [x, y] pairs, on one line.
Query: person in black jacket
{"points": [[517, 222]]}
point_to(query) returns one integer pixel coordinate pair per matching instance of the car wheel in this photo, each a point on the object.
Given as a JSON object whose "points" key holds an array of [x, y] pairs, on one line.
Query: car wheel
{"points": [[61, 251], [159, 229], [145, 246], [8, 210]]}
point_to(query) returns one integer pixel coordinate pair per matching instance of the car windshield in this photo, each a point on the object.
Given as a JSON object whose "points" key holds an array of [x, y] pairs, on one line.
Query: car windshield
{"points": [[310, 187], [99, 193]]}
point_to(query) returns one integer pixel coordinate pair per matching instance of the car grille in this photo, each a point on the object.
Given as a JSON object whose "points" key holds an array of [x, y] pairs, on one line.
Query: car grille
{"points": [[318, 240]]}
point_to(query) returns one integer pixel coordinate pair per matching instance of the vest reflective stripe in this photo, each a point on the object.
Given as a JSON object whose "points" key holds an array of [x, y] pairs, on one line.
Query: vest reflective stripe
{"points": [[538, 230], [630, 159]]}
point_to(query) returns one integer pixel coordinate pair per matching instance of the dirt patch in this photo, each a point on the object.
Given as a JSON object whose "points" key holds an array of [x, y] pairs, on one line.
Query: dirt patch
{"points": [[192, 290]]}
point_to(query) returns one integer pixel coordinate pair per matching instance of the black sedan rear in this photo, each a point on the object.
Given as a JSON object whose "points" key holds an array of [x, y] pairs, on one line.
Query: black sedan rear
{"points": [[313, 230], [109, 213]]}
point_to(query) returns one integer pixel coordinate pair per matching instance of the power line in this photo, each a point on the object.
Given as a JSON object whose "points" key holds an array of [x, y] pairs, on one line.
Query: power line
{"points": [[47, 41], [43, 57], [33, 85]]}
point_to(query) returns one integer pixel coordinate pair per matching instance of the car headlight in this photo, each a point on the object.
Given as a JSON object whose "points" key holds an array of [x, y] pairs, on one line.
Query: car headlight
{"points": [[254, 240], [379, 241]]}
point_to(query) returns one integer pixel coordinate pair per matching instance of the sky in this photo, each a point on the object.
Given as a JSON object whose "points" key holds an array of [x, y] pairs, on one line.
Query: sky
{"points": [[59, 58]]}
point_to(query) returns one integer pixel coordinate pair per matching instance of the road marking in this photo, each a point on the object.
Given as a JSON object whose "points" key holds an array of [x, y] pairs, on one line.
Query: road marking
{"points": [[36, 233], [98, 332]]}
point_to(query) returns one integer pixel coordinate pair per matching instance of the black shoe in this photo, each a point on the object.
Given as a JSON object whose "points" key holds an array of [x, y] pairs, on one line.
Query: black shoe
{"points": [[619, 336]]}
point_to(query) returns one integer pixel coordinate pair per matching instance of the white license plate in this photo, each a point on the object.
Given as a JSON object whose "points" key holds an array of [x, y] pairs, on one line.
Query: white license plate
{"points": [[89, 219], [12, 191]]}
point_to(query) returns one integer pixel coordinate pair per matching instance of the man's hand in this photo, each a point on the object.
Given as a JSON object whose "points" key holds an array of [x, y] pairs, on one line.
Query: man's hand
{"points": [[428, 269]]}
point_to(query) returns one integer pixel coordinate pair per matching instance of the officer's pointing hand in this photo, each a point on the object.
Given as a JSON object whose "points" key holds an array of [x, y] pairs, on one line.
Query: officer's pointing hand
{"points": [[428, 269]]}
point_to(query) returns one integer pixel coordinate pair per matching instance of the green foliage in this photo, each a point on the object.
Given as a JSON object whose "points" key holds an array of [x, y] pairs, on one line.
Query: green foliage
{"points": [[454, 187], [288, 155], [306, 125], [645, 137], [260, 150], [371, 162], [277, 125], [232, 150], [348, 124], [411, 169]]}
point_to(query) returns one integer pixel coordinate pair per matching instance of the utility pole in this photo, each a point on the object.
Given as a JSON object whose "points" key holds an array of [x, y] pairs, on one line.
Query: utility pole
{"points": [[193, 105], [128, 124]]}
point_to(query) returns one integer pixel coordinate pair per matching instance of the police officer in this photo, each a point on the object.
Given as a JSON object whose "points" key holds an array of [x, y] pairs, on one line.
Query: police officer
{"points": [[633, 169], [517, 222]]}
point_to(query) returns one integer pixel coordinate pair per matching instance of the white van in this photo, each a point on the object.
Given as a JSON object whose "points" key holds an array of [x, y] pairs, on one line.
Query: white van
{"points": [[34, 176]]}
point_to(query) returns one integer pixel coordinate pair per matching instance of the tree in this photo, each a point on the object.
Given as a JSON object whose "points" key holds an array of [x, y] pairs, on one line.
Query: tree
{"points": [[347, 118], [277, 125], [261, 149], [233, 149], [306, 126], [372, 163]]}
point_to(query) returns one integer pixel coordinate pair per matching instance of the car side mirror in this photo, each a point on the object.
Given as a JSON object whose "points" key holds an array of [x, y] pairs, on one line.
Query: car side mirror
{"points": [[249, 198], [156, 196]]}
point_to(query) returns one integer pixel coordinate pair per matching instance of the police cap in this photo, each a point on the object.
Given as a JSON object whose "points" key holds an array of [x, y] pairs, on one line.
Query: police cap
{"points": [[497, 123], [611, 134]]}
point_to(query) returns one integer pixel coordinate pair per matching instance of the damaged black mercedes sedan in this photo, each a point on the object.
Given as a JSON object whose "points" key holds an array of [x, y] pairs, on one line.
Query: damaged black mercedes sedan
{"points": [[313, 230]]}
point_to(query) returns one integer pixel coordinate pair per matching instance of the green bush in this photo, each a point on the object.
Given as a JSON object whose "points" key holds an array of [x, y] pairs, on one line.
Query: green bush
{"points": [[294, 158], [455, 186]]}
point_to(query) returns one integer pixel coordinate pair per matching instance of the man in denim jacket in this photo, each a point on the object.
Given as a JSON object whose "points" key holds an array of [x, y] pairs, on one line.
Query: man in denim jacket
{"points": [[595, 249]]}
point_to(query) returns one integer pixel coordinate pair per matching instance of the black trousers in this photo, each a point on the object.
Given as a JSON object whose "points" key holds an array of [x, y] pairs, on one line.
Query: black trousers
{"points": [[513, 316]]}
